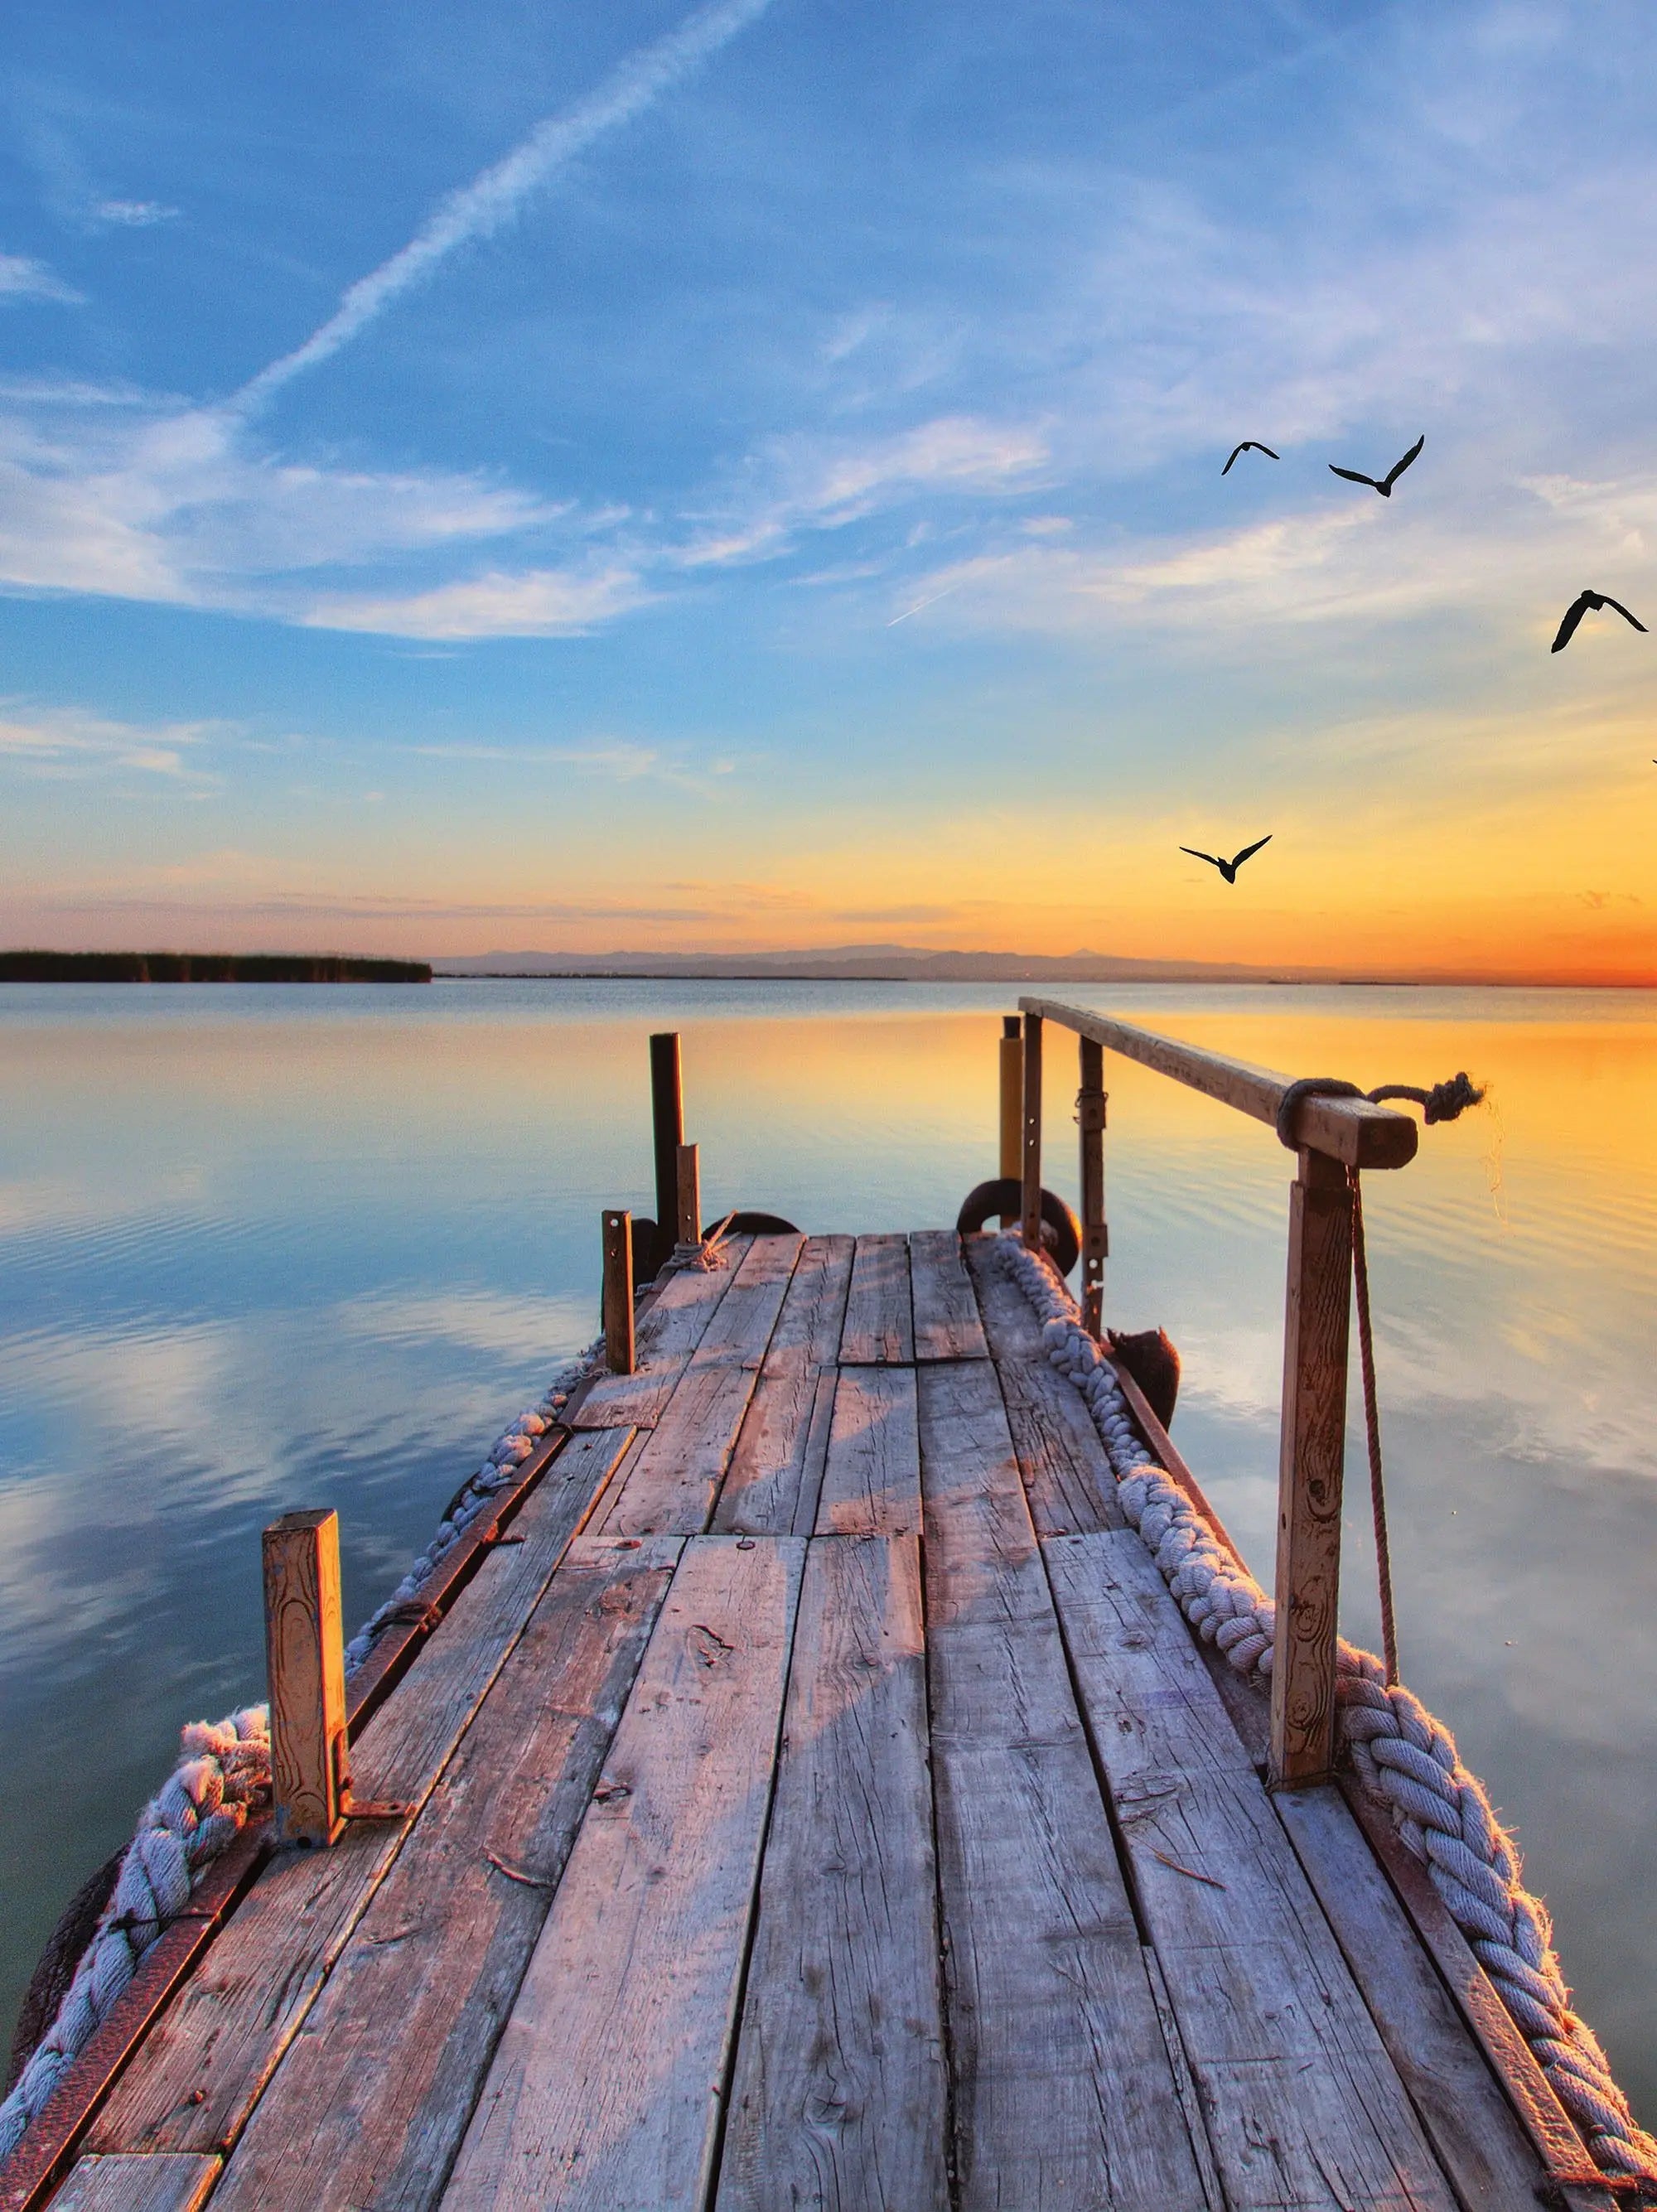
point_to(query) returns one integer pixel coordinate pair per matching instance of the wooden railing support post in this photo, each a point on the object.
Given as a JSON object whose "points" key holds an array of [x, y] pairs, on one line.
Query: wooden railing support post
{"points": [[690, 1196], [304, 1659], [1095, 1236], [1030, 1211], [667, 1125], [1012, 1104], [1310, 1466], [618, 1292]]}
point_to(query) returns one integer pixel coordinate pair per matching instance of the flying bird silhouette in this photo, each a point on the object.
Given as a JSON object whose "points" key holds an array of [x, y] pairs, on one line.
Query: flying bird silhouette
{"points": [[1249, 446], [1580, 606], [1227, 868], [1382, 484]]}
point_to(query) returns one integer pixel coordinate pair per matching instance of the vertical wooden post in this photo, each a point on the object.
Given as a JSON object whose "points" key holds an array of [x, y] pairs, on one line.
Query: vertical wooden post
{"points": [[305, 1659], [1031, 1210], [690, 1195], [1095, 1237], [1310, 1467], [667, 1125], [1012, 1105], [618, 1292]]}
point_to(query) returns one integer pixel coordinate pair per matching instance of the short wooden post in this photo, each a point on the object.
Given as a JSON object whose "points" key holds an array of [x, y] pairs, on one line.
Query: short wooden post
{"points": [[1031, 1209], [1310, 1467], [305, 1659], [618, 1292], [690, 1195], [667, 1124], [1095, 1236], [1012, 1105]]}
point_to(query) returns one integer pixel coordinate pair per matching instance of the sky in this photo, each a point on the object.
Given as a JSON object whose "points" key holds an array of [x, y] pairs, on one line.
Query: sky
{"points": [[519, 475]]}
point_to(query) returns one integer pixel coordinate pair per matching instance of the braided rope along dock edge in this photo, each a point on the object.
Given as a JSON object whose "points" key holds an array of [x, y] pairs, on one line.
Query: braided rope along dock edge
{"points": [[223, 1776], [1403, 1756]]}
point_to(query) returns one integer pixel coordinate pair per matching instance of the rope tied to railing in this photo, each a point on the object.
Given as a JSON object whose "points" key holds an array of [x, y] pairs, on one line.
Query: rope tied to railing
{"points": [[1443, 1102]]}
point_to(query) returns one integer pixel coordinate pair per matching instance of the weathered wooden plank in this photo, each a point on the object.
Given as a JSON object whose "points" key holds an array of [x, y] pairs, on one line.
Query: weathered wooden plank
{"points": [[668, 1482], [879, 1317], [946, 1323], [1067, 1479], [1304, 2106], [608, 2081], [1064, 2091], [814, 1312], [839, 2094], [871, 1480], [195, 2079], [375, 2118], [670, 1324], [1466, 2115], [742, 1323], [776, 1470], [165, 2181], [1349, 1129], [673, 1475]]}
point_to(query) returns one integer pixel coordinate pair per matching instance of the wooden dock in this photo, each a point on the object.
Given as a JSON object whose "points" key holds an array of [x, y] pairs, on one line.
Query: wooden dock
{"points": [[813, 1797]]}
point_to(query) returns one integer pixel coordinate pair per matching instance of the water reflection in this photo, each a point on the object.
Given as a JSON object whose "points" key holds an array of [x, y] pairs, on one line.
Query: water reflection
{"points": [[266, 1248]]}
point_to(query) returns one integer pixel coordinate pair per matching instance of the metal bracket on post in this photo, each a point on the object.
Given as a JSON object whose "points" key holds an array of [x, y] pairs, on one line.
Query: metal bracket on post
{"points": [[1030, 1213], [1091, 1102], [1311, 1466]]}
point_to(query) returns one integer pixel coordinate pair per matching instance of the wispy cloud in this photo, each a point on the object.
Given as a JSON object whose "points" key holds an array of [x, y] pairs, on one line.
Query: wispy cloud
{"points": [[64, 741], [133, 215], [22, 279], [535, 602], [481, 208]]}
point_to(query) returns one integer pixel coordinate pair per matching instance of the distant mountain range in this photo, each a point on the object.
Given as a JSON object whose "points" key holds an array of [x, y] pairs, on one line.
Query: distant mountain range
{"points": [[894, 963]]}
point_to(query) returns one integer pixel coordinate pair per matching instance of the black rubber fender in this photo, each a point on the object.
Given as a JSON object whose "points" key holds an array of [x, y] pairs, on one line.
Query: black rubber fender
{"points": [[1061, 1232], [753, 1224]]}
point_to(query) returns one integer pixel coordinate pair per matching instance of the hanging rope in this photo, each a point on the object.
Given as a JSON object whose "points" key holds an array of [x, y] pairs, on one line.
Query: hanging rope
{"points": [[1372, 1430]]}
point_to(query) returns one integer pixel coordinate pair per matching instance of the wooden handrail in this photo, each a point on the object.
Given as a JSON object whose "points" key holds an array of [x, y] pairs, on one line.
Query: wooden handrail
{"points": [[1350, 1130]]}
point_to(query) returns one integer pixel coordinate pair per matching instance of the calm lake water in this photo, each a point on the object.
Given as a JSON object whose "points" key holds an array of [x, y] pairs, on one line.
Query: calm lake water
{"points": [[268, 1247]]}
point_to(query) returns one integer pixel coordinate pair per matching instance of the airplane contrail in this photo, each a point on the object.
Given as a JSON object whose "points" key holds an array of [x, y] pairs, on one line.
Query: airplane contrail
{"points": [[919, 604], [477, 210]]}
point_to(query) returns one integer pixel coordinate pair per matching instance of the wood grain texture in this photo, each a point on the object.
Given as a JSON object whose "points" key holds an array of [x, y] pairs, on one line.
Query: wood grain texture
{"points": [[741, 1325], [668, 1480], [166, 2181], [1472, 2125], [1090, 1105], [617, 1296], [1067, 1479], [839, 2095], [1310, 1467], [775, 1475], [305, 1668], [1304, 2106], [371, 2101], [814, 1311], [1063, 2090], [871, 1475], [879, 1318], [608, 2081], [946, 1322], [196, 2076], [669, 1325], [776, 1470], [1350, 1130]]}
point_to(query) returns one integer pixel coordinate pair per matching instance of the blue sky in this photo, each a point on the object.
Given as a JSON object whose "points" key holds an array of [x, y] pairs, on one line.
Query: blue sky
{"points": [[523, 474]]}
